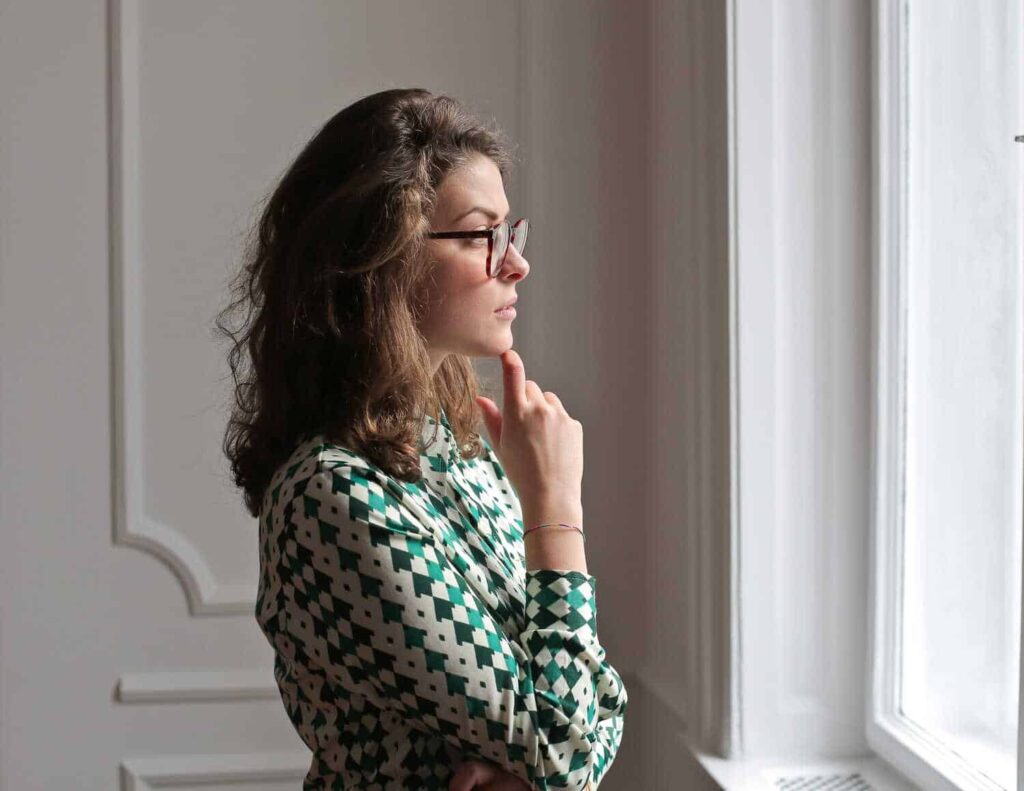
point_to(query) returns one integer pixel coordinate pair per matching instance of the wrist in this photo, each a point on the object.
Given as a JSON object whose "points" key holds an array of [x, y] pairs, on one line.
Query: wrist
{"points": [[566, 512]]}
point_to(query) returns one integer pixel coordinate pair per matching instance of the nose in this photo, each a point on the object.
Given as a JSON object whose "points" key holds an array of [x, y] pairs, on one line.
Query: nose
{"points": [[515, 265]]}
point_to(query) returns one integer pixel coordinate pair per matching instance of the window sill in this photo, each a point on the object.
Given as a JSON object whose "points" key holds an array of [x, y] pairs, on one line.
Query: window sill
{"points": [[866, 773]]}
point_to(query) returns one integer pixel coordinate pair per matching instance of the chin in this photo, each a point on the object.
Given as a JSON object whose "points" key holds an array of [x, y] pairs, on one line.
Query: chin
{"points": [[497, 345]]}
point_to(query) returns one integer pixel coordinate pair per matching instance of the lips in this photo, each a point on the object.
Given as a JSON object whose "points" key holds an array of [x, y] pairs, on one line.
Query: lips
{"points": [[508, 305]]}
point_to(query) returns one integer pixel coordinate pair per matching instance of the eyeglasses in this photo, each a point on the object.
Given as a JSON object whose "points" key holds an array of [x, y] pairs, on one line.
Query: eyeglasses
{"points": [[498, 239]]}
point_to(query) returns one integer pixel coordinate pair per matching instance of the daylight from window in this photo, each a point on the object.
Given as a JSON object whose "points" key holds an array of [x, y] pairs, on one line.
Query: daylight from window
{"points": [[963, 428]]}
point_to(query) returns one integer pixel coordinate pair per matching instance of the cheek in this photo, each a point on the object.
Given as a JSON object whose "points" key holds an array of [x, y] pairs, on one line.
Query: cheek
{"points": [[460, 281], [457, 293], [441, 297]]}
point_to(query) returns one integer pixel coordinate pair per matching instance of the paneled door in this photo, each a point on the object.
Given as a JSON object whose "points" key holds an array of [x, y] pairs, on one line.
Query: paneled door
{"points": [[137, 138]]}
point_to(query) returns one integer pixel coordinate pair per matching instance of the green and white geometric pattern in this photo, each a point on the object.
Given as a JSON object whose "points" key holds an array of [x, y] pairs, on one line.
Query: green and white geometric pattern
{"points": [[408, 634]]}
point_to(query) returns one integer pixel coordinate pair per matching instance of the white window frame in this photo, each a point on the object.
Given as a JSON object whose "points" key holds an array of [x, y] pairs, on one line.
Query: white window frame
{"points": [[913, 751]]}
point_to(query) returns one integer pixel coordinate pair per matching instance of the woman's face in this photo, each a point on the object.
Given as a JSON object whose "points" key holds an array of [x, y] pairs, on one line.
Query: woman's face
{"points": [[462, 299]]}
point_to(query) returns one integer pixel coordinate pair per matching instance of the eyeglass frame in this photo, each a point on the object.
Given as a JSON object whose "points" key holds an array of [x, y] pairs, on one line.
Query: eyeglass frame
{"points": [[490, 235]]}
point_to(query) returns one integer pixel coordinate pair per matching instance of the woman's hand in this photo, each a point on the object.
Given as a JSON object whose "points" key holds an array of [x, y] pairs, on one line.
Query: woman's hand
{"points": [[538, 443], [473, 775]]}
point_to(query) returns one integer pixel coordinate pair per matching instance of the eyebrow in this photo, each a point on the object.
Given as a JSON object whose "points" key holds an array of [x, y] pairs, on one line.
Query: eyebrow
{"points": [[480, 209]]}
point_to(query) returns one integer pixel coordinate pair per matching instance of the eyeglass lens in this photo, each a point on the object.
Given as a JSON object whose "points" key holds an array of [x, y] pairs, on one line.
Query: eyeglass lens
{"points": [[518, 233]]}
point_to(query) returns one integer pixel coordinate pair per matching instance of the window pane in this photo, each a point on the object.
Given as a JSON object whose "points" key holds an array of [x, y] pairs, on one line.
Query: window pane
{"points": [[962, 551]]}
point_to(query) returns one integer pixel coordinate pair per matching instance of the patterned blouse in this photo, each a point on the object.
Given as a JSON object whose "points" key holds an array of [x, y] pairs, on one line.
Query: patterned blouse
{"points": [[409, 636]]}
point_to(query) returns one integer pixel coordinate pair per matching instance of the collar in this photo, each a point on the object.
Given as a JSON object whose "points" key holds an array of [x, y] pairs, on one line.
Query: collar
{"points": [[442, 447]]}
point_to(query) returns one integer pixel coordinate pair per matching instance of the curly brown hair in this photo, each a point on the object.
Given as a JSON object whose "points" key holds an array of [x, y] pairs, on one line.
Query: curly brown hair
{"points": [[331, 293]]}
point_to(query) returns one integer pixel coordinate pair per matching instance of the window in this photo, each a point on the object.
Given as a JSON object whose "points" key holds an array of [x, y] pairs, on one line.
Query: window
{"points": [[950, 409]]}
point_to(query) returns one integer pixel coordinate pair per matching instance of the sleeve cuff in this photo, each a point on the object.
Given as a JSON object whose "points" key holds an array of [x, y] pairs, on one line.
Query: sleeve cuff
{"points": [[561, 599]]}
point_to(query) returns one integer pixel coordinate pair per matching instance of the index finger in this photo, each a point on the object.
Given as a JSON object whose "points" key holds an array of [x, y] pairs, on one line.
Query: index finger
{"points": [[515, 379]]}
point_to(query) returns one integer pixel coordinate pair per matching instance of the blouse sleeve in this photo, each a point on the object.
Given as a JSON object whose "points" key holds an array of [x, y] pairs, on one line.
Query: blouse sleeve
{"points": [[387, 616]]}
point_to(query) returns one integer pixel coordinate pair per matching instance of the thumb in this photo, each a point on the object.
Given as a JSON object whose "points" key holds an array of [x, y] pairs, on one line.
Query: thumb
{"points": [[469, 775], [463, 779], [492, 419]]}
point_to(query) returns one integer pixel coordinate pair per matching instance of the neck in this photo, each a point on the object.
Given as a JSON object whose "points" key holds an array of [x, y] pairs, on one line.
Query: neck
{"points": [[436, 358]]}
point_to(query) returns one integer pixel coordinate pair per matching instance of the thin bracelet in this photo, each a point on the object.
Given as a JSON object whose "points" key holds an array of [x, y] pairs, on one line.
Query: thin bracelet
{"points": [[546, 524]]}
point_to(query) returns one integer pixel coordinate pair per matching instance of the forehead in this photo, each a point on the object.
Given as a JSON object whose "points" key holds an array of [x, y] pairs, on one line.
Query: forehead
{"points": [[477, 183]]}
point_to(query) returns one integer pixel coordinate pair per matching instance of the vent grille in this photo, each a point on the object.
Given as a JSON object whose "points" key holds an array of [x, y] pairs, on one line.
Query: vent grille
{"points": [[828, 782]]}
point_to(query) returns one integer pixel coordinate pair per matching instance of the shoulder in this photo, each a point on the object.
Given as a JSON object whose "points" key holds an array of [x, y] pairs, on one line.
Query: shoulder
{"points": [[336, 484], [315, 459]]}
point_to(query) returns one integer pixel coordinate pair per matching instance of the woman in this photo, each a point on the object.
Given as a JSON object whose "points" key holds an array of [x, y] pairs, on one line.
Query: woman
{"points": [[422, 638]]}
